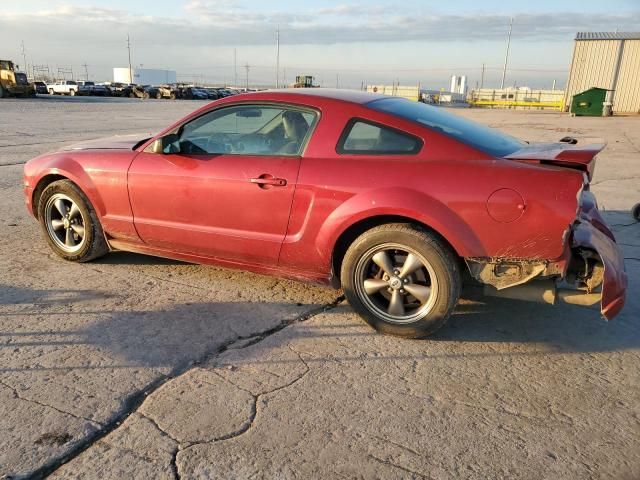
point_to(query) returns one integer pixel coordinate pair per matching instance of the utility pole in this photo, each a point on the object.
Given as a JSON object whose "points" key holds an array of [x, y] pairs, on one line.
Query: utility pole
{"points": [[130, 69], [86, 71], [246, 66], [278, 57], [482, 77], [235, 68], [24, 57], [506, 57]]}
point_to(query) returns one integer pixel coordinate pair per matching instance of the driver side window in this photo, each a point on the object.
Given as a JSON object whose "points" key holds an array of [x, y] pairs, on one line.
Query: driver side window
{"points": [[246, 130]]}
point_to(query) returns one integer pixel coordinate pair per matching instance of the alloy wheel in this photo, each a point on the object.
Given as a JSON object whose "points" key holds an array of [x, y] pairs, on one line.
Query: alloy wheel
{"points": [[396, 283], [65, 223]]}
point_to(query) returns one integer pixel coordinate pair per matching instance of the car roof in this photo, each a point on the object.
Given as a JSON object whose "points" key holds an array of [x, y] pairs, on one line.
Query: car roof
{"points": [[353, 96]]}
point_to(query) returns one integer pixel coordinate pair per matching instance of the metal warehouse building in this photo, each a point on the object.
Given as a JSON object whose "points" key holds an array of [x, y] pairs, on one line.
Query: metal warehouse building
{"points": [[610, 61]]}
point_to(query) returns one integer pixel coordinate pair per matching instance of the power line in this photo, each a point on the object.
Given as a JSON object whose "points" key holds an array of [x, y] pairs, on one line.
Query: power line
{"points": [[86, 71]]}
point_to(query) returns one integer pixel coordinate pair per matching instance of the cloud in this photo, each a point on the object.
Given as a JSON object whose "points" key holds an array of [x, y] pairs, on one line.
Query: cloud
{"points": [[223, 22], [205, 32]]}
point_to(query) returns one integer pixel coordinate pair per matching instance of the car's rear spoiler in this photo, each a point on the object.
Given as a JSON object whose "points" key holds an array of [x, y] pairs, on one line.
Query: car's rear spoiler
{"points": [[564, 154]]}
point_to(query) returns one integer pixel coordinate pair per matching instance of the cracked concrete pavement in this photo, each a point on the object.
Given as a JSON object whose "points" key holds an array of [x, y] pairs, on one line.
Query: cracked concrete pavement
{"points": [[138, 367]]}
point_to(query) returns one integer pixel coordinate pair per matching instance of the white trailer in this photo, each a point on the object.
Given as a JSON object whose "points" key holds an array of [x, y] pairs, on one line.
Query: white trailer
{"points": [[144, 76]]}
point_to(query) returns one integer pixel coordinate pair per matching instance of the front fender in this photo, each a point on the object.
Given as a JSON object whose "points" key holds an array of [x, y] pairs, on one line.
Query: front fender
{"points": [[399, 202], [67, 167]]}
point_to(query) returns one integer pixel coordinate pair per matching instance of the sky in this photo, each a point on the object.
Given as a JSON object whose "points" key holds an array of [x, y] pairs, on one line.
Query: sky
{"points": [[339, 42]]}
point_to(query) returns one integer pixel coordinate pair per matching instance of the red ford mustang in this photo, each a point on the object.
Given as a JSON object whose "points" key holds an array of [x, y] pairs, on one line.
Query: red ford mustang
{"points": [[391, 200]]}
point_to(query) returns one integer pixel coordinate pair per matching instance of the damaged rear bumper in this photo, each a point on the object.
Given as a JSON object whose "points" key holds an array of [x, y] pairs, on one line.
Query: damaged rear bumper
{"points": [[593, 263], [589, 232]]}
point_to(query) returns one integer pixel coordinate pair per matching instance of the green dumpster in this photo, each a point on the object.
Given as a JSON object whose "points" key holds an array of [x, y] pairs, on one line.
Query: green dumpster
{"points": [[589, 103]]}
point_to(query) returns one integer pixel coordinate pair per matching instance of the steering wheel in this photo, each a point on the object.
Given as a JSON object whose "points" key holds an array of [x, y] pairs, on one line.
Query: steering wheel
{"points": [[220, 143]]}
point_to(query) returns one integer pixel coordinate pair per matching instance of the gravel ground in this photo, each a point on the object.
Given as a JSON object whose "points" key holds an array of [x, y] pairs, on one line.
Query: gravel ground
{"points": [[138, 367]]}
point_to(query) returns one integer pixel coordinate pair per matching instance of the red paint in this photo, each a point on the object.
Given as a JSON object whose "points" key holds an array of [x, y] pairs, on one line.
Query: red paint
{"points": [[207, 208]]}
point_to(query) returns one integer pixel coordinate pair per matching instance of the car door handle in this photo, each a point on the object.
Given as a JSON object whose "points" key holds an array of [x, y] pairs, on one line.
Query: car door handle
{"points": [[268, 180]]}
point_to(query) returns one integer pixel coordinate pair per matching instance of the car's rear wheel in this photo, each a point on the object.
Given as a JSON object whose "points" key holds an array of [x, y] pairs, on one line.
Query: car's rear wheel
{"points": [[51, 92], [72, 93], [70, 223], [403, 280]]}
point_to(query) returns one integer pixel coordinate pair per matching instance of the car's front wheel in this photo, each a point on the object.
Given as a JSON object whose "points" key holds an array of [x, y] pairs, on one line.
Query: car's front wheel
{"points": [[402, 279], [70, 223]]}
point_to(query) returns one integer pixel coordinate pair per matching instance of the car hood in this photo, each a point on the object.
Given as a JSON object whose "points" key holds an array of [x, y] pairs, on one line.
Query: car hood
{"points": [[117, 142]]}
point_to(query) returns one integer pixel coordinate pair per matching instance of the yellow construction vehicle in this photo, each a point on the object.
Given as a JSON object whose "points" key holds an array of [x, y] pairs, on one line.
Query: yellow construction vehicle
{"points": [[14, 83], [304, 81]]}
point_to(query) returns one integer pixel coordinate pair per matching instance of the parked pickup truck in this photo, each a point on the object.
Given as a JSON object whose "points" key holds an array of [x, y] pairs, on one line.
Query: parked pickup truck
{"points": [[63, 87]]}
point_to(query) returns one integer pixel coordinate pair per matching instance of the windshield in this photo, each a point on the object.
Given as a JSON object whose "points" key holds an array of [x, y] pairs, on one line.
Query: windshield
{"points": [[474, 134]]}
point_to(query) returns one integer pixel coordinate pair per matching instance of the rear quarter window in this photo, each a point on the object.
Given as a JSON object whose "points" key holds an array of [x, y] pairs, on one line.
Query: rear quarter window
{"points": [[474, 134], [368, 138]]}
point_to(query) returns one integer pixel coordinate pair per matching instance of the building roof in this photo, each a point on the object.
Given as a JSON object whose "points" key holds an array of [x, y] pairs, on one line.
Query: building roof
{"points": [[608, 36]]}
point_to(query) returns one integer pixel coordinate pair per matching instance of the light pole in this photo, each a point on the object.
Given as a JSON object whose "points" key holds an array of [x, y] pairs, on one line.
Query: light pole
{"points": [[129, 49], [278, 57], [506, 57]]}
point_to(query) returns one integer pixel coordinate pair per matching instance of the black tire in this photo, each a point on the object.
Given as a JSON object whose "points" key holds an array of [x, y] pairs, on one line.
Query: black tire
{"points": [[158, 95], [442, 264], [72, 93], [635, 212], [94, 244]]}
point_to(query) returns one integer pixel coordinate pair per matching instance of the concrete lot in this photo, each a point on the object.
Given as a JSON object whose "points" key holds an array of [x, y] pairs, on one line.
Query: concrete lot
{"points": [[138, 367]]}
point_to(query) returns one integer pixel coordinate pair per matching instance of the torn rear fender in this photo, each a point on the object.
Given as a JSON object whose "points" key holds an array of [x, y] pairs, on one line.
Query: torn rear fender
{"points": [[590, 232]]}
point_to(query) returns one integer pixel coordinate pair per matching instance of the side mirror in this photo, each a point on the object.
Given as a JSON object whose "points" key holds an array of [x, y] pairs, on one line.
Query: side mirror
{"points": [[166, 144]]}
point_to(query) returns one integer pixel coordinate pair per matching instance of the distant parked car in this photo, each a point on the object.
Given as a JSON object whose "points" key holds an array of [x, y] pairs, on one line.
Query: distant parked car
{"points": [[139, 91], [100, 90], [194, 93], [152, 91], [120, 89], [223, 93], [165, 91], [212, 93], [63, 87], [85, 88], [41, 88]]}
